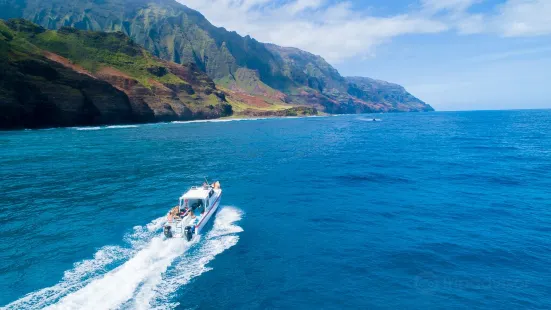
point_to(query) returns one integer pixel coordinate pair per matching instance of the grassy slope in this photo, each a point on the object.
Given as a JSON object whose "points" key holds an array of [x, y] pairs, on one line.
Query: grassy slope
{"points": [[37, 92], [13, 47], [247, 92], [174, 32], [94, 51]]}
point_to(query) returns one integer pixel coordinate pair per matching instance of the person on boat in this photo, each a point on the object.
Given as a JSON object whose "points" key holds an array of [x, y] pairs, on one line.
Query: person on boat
{"points": [[184, 212], [176, 215], [173, 214]]}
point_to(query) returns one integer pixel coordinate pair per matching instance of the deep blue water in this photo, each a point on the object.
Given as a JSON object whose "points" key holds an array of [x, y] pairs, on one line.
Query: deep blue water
{"points": [[417, 211]]}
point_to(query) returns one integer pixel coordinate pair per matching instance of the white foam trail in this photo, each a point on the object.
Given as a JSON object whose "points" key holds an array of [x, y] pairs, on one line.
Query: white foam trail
{"points": [[87, 128], [119, 285], [159, 292], [105, 127], [142, 234], [121, 126], [220, 120], [87, 270], [148, 274]]}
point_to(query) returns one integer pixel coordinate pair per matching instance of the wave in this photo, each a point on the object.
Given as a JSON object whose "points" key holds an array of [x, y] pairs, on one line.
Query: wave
{"points": [[219, 120], [87, 128], [131, 276], [120, 126], [85, 271], [159, 291], [224, 120], [365, 119], [105, 127]]}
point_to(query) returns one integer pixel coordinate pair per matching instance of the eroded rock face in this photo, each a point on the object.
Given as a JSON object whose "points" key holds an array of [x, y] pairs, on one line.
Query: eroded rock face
{"points": [[158, 71], [179, 34], [296, 111], [169, 102], [392, 97], [41, 93], [40, 88], [44, 93]]}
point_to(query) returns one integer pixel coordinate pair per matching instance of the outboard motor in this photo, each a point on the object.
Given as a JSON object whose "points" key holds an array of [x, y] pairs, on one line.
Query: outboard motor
{"points": [[168, 232], [188, 232]]}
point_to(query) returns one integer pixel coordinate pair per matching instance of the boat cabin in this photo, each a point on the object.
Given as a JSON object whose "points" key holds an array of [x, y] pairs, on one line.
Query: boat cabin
{"points": [[193, 211], [197, 199]]}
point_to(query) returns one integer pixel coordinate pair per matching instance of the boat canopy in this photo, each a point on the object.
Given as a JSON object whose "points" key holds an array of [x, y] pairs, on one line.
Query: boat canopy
{"points": [[197, 193]]}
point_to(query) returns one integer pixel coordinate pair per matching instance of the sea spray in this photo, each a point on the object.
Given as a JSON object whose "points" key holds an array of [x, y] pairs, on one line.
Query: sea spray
{"points": [[143, 275], [160, 294], [86, 271], [118, 286]]}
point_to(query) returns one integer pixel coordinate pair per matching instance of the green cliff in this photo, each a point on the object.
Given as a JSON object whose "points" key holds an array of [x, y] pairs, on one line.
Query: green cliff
{"points": [[71, 77], [242, 65]]}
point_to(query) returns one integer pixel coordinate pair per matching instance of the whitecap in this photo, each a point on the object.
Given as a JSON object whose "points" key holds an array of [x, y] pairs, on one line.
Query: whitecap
{"points": [[121, 126], [85, 271], [87, 128], [143, 275], [158, 293], [220, 120]]}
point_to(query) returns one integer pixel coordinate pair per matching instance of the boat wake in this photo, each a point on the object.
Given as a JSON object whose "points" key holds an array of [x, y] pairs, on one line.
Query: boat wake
{"points": [[145, 274]]}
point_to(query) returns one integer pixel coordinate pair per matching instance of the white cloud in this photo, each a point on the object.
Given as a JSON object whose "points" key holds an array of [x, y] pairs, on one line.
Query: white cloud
{"points": [[335, 31], [340, 30], [436, 6], [514, 18], [524, 18], [302, 5]]}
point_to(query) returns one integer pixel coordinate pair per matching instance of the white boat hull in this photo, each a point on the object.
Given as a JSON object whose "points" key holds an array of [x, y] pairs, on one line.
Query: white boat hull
{"points": [[208, 215], [177, 228]]}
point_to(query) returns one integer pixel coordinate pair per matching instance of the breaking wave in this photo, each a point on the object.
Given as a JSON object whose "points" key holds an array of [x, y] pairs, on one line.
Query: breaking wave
{"points": [[121, 126], [87, 128], [131, 276], [220, 120], [105, 127]]}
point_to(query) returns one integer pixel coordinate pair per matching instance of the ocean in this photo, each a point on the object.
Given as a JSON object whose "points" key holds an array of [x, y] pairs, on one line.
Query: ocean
{"points": [[446, 210]]}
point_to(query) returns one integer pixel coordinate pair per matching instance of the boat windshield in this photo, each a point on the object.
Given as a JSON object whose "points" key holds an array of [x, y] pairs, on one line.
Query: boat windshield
{"points": [[196, 206]]}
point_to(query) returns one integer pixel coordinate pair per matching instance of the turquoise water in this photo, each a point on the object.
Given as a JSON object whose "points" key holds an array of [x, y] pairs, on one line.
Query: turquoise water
{"points": [[417, 211]]}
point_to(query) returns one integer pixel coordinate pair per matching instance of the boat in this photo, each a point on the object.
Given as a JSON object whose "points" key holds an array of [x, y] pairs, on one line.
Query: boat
{"points": [[194, 210]]}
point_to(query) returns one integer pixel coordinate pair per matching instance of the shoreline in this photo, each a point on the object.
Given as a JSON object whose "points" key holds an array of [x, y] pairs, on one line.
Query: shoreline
{"points": [[134, 125], [210, 120]]}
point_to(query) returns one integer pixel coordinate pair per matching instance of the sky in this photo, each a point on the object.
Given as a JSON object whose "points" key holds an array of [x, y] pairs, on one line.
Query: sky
{"points": [[453, 54]]}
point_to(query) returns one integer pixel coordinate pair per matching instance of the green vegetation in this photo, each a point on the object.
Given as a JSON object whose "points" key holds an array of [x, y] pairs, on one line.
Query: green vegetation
{"points": [[36, 92], [95, 50], [74, 77], [173, 32], [13, 47]]}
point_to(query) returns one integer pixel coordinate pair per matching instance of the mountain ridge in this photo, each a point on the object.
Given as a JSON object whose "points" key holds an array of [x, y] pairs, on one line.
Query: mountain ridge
{"points": [[174, 32], [71, 77]]}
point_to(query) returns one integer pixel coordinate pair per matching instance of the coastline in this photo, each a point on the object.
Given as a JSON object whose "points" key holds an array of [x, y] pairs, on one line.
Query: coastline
{"points": [[135, 125], [232, 118]]}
